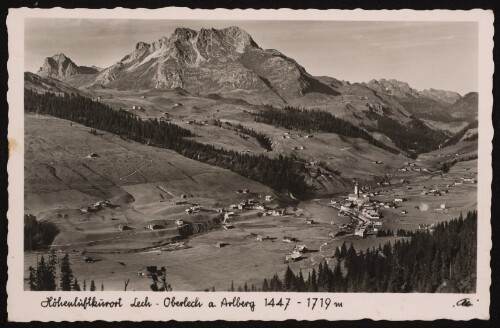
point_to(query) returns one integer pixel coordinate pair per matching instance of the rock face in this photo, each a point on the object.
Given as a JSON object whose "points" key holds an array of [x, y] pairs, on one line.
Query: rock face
{"points": [[466, 107], [60, 67], [448, 97], [209, 61], [394, 88], [403, 90]]}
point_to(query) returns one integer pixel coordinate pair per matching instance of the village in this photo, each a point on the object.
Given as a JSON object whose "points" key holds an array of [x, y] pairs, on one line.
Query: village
{"points": [[359, 214]]}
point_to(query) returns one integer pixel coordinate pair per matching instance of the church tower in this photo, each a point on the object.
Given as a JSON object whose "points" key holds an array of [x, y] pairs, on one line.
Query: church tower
{"points": [[356, 190]]}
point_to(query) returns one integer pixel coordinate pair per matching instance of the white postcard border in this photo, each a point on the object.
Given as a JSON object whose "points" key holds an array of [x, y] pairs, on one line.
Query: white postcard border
{"points": [[26, 305]]}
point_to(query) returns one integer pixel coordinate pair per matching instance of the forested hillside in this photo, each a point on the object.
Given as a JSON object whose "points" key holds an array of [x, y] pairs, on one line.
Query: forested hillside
{"points": [[281, 173], [442, 261], [317, 121]]}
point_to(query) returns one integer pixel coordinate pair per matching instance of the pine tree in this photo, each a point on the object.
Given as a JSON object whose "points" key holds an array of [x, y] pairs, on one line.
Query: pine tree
{"points": [[288, 279], [66, 274], [32, 278], [102, 286], [337, 278], [92, 286], [232, 286], [84, 285], [76, 285], [265, 285], [343, 250]]}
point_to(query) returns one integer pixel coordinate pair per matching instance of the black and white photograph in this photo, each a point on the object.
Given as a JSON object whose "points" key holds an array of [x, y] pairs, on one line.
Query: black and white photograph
{"points": [[244, 156]]}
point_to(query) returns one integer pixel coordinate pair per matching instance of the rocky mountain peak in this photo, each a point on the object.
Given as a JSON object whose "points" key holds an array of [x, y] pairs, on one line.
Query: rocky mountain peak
{"points": [[448, 97], [393, 87], [60, 57], [183, 34], [60, 66], [142, 45]]}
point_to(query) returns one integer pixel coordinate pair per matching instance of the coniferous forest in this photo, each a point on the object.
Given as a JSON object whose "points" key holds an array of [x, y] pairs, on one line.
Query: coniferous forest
{"points": [[315, 121], [443, 261], [280, 173], [415, 137]]}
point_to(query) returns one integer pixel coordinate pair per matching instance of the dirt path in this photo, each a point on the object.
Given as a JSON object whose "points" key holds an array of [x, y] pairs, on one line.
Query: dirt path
{"points": [[137, 170]]}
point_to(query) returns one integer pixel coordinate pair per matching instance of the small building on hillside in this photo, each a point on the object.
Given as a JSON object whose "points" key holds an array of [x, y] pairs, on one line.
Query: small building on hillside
{"points": [[300, 248], [360, 231], [155, 226], [179, 222], [123, 227], [278, 212], [289, 239], [269, 198]]}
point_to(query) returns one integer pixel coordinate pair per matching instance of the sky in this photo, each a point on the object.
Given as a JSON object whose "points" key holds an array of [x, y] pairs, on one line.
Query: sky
{"points": [[439, 55]]}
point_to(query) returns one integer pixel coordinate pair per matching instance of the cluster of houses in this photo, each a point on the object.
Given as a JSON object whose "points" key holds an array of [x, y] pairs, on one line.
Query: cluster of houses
{"points": [[427, 227], [365, 210], [468, 180], [409, 167], [96, 207], [195, 208], [434, 192], [195, 122]]}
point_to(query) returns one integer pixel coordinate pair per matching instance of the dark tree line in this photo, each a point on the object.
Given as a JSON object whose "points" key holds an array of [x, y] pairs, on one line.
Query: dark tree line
{"points": [[38, 235], [460, 134], [442, 261], [263, 140], [315, 121], [446, 166], [44, 276], [414, 137], [280, 173], [472, 137], [399, 233]]}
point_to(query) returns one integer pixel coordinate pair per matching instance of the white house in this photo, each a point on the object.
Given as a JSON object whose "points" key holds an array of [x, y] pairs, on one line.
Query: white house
{"points": [[361, 231]]}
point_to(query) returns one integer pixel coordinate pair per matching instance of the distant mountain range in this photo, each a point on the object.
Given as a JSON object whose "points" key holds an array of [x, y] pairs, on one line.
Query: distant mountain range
{"points": [[230, 64]]}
